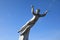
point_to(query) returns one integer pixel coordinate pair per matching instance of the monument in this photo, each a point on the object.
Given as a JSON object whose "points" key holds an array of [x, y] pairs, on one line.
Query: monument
{"points": [[24, 31]]}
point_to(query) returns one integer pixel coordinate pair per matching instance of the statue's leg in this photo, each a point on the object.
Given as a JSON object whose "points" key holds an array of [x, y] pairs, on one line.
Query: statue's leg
{"points": [[21, 37], [24, 36]]}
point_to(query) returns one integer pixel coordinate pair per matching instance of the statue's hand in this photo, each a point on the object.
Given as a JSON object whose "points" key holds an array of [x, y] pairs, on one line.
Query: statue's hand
{"points": [[32, 6], [44, 14]]}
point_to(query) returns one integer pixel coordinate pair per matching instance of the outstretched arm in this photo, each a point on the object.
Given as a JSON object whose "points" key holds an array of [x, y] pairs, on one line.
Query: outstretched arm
{"points": [[32, 10], [42, 15]]}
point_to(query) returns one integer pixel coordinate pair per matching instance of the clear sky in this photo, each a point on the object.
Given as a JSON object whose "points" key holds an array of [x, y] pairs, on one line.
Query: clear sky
{"points": [[15, 13]]}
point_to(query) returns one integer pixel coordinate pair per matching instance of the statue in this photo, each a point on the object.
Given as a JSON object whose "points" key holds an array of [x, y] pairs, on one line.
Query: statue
{"points": [[24, 31]]}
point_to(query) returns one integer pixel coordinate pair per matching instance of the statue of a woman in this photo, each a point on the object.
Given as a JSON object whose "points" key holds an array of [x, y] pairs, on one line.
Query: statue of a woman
{"points": [[24, 31]]}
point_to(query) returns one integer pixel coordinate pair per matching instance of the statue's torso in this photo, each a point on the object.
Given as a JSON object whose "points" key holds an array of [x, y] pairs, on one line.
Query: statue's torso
{"points": [[29, 24], [33, 20]]}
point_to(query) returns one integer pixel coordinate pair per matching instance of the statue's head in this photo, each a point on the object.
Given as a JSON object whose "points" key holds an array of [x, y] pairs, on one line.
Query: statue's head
{"points": [[37, 11]]}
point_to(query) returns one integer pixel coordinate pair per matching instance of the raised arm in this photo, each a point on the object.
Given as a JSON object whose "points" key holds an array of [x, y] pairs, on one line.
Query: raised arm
{"points": [[44, 14], [32, 10]]}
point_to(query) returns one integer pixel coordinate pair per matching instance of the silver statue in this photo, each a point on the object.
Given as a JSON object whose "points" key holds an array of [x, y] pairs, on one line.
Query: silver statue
{"points": [[24, 31]]}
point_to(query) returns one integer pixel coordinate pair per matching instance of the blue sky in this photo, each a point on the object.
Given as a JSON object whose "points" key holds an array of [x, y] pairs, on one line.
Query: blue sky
{"points": [[15, 13]]}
